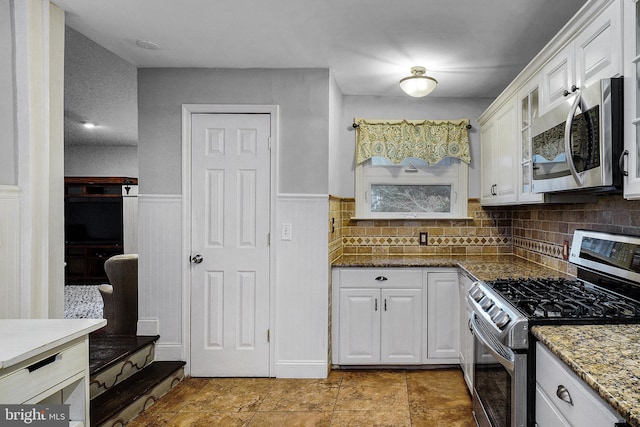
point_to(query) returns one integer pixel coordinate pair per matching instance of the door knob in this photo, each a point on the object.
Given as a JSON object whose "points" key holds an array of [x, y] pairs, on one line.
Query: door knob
{"points": [[196, 259]]}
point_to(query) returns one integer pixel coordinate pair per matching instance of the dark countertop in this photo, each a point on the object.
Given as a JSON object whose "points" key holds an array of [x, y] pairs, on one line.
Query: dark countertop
{"points": [[482, 267], [607, 357]]}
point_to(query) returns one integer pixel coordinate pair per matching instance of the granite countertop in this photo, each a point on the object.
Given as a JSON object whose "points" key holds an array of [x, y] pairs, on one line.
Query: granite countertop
{"points": [[607, 357], [482, 267]]}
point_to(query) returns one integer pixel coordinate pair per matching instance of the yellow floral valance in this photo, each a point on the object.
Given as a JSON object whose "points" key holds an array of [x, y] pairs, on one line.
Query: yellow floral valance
{"points": [[430, 140]]}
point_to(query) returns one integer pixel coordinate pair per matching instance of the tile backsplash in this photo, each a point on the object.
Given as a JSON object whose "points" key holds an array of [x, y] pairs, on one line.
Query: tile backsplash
{"points": [[534, 232]]}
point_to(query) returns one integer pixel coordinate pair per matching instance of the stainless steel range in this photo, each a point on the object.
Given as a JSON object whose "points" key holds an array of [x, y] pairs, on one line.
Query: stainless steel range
{"points": [[606, 290]]}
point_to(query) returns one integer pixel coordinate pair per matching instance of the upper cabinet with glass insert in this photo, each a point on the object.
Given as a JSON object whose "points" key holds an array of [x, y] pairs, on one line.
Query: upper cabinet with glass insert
{"points": [[631, 159], [528, 110]]}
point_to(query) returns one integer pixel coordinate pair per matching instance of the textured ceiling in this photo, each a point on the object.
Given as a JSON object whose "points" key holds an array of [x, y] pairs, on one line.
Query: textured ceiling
{"points": [[473, 48]]}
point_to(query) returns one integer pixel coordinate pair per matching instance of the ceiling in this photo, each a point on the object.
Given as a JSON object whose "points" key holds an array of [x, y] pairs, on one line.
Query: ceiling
{"points": [[473, 48]]}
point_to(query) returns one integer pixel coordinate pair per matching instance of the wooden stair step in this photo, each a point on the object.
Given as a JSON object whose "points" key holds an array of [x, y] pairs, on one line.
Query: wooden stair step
{"points": [[117, 399], [108, 350]]}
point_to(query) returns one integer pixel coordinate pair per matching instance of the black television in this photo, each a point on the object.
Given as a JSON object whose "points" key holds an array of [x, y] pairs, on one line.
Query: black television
{"points": [[93, 221]]}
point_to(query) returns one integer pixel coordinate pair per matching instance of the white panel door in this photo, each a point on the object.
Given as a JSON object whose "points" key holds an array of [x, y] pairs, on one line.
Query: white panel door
{"points": [[443, 318], [359, 326], [401, 326], [230, 185]]}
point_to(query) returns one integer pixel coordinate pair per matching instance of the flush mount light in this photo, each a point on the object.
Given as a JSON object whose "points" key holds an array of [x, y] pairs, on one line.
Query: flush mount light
{"points": [[88, 125], [146, 44], [418, 85]]}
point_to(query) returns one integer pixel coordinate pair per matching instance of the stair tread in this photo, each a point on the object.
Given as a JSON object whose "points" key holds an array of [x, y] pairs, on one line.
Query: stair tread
{"points": [[107, 350], [115, 399]]}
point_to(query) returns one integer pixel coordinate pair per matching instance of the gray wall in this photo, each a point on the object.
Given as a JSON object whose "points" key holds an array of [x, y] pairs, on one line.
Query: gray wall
{"points": [[100, 87], [432, 108], [335, 120], [303, 97], [8, 156], [98, 160]]}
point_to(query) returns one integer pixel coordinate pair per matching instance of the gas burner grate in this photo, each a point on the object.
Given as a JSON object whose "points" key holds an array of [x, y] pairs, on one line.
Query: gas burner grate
{"points": [[564, 298]]}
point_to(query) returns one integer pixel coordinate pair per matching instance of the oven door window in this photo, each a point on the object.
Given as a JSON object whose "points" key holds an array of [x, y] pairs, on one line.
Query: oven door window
{"points": [[492, 383]]}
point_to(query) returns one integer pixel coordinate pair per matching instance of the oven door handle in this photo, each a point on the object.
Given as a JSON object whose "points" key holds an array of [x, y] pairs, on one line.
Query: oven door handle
{"points": [[508, 363], [567, 139]]}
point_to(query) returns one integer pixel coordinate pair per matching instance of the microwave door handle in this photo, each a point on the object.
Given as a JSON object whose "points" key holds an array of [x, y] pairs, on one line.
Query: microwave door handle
{"points": [[509, 364], [567, 140]]}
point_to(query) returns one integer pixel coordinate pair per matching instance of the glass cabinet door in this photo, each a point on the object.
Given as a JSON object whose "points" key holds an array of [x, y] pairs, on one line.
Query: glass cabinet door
{"points": [[528, 112], [631, 160]]}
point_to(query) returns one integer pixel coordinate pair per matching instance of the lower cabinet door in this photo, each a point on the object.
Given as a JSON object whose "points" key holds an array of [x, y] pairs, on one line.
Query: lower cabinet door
{"points": [[401, 326], [443, 318], [359, 326]]}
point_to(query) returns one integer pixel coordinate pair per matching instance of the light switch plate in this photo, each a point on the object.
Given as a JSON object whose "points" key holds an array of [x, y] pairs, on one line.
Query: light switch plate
{"points": [[286, 232]]}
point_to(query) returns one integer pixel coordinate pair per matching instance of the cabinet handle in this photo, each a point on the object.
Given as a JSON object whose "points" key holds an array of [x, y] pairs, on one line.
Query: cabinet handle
{"points": [[385, 304], [564, 394], [573, 89], [43, 362], [493, 191], [376, 305], [381, 278], [469, 326]]}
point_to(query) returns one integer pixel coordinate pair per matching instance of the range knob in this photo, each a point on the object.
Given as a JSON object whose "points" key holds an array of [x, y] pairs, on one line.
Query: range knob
{"points": [[494, 311], [476, 294], [502, 319], [486, 303]]}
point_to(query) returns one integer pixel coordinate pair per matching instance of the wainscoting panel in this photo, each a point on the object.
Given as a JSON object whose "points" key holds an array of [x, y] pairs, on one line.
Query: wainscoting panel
{"points": [[10, 294], [301, 299], [160, 272]]}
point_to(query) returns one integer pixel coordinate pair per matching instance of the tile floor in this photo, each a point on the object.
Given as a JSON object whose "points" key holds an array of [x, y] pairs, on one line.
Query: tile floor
{"points": [[433, 398]]}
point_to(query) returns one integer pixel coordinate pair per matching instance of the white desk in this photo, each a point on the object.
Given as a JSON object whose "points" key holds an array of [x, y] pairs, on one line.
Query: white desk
{"points": [[47, 361]]}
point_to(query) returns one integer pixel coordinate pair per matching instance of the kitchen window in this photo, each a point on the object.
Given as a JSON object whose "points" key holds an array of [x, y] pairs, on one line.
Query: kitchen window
{"points": [[393, 184]]}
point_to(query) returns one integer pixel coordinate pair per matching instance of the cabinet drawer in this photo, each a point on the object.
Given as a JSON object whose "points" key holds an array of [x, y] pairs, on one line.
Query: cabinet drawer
{"points": [[406, 278], [587, 409], [43, 373]]}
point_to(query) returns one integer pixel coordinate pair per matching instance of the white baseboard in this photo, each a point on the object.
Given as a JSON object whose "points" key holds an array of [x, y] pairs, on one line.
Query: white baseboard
{"points": [[168, 352], [148, 327], [301, 369]]}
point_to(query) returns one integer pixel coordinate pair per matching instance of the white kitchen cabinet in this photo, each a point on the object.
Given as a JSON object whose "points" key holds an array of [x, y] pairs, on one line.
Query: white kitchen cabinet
{"points": [[46, 361], [380, 316], [595, 53], [401, 326], [563, 399], [395, 316], [359, 327], [528, 108], [632, 99], [499, 154], [380, 326], [443, 319], [466, 351]]}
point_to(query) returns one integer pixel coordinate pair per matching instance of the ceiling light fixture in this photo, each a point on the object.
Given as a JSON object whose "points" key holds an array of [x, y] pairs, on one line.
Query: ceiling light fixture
{"points": [[418, 85], [146, 44], [88, 125]]}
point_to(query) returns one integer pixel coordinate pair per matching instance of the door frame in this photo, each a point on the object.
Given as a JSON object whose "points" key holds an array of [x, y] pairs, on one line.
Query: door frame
{"points": [[187, 111]]}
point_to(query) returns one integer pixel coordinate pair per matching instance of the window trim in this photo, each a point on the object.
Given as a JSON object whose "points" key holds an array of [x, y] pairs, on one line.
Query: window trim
{"points": [[455, 174]]}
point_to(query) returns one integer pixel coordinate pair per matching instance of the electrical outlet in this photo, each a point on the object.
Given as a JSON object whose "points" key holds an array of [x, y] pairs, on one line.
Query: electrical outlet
{"points": [[424, 238]]}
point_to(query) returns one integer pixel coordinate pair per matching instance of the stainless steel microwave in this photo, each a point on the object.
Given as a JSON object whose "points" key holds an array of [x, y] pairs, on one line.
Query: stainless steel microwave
{"points": [[578, 145]]}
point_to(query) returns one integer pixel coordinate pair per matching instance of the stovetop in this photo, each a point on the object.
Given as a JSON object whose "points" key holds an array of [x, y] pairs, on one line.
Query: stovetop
{"points": [[558, 298]]}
